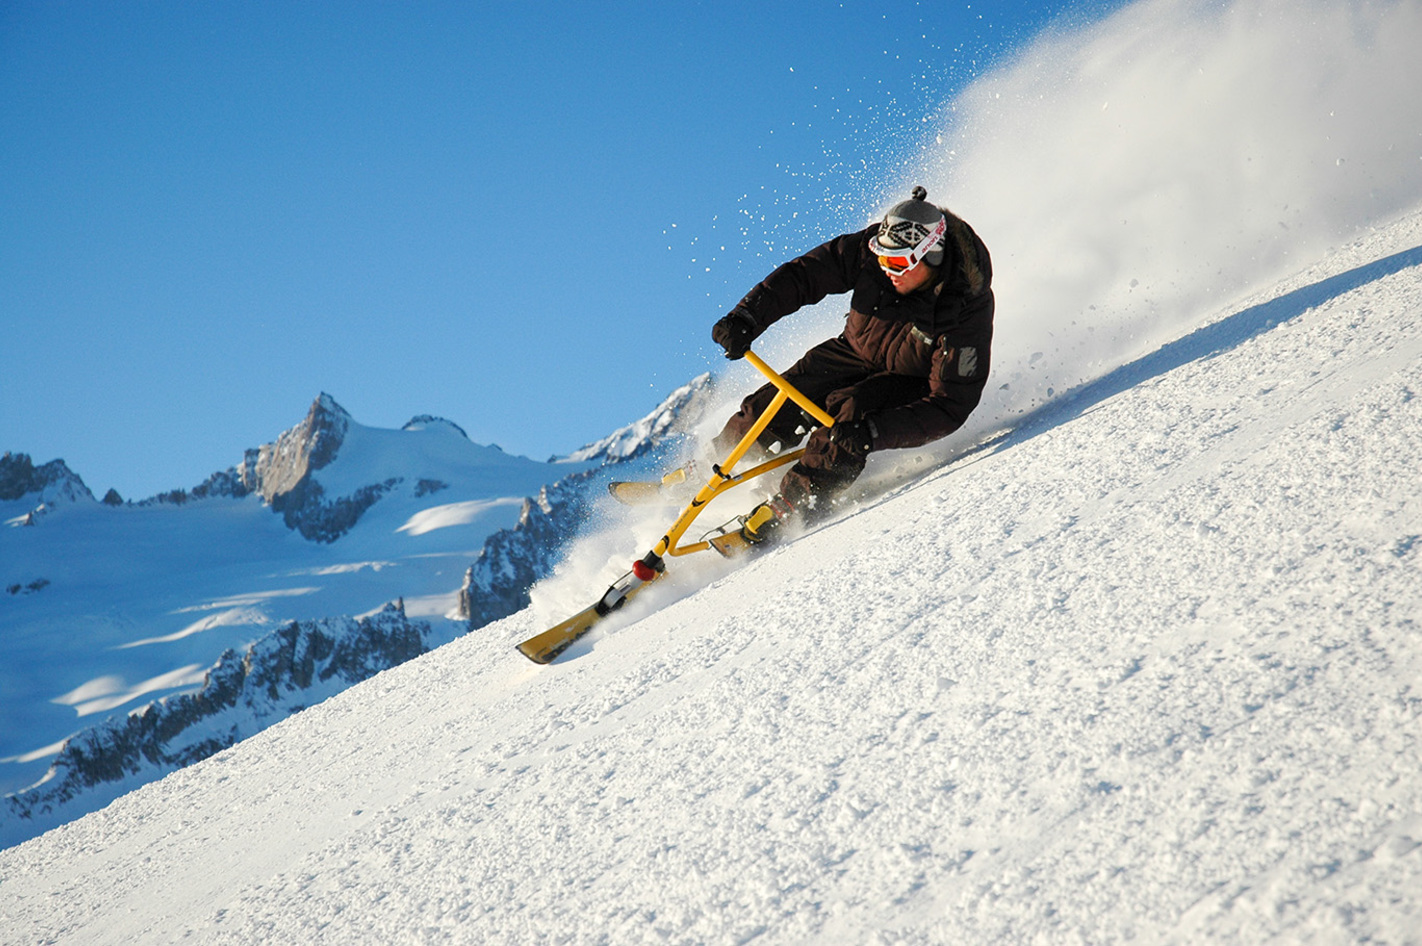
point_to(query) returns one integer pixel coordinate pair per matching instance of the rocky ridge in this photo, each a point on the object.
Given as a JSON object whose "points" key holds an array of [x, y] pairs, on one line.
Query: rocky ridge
{"points": [[52, 484], [651, 432], [242, 694]]}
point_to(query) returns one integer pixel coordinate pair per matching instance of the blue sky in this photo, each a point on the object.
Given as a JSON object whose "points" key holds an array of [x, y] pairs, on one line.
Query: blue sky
{"points": [[521, 217]]}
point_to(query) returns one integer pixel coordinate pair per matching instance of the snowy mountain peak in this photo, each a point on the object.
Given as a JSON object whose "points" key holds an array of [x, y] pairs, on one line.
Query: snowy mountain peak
{"points": [[324, 474], [48, 485], [678, 410], [326, 404], [276, 468]]}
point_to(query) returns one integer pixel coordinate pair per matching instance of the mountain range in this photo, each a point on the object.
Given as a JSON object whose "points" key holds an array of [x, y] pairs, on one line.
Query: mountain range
{"points": [[140, 637]]}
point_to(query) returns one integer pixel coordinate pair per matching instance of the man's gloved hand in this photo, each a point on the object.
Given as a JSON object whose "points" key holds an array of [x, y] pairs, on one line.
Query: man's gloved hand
{"points": [[856, 436], [735, 332]]}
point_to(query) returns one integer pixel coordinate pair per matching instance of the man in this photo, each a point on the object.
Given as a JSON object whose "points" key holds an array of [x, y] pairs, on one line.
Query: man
{"points": [[908, 369]]}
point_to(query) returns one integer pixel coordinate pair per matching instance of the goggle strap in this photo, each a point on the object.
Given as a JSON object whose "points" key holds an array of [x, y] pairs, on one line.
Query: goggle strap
{"points": [[916, 255]]}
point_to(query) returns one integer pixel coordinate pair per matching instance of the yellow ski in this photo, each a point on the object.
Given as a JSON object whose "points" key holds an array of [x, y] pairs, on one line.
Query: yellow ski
{"points": [[670, 490], [545, 648]]}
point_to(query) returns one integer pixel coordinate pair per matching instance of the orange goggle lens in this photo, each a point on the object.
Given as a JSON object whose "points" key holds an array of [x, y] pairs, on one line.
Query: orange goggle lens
{"points": [[897, 265]]}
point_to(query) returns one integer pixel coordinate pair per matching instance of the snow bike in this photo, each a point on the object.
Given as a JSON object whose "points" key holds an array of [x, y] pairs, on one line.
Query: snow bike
{"points": [[545, 647]]}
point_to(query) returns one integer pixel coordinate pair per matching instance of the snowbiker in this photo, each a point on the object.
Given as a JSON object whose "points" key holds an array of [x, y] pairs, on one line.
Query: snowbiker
{"points": [[908, 369]]}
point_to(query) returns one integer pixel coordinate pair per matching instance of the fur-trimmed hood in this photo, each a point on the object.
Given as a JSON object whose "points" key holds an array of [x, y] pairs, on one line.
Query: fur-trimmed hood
{"points": [[971, 253]]}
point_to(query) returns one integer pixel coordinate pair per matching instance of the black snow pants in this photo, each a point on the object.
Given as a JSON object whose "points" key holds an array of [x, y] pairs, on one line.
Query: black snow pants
{"points": [[835, 378]]}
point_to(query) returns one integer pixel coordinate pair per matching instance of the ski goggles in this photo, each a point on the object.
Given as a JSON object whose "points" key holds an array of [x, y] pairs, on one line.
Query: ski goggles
{"points": [[896, 261]]}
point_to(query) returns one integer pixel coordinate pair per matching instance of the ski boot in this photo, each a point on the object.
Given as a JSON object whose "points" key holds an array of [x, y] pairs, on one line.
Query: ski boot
{"points": [[765, 523]]}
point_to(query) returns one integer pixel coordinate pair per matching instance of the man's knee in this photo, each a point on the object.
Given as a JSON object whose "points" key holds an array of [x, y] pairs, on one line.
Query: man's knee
{"points": [[826, 469]]}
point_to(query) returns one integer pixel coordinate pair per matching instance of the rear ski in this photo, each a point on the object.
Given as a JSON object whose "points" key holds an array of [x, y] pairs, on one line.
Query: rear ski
{"points": [[672, 489]]}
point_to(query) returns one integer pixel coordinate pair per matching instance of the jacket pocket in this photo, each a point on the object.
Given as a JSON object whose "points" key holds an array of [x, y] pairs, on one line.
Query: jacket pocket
{"points": [[959, 364]]}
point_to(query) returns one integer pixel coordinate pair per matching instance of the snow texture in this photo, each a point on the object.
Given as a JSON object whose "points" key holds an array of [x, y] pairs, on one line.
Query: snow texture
{"points": [[667, 420], [1144, 669]]}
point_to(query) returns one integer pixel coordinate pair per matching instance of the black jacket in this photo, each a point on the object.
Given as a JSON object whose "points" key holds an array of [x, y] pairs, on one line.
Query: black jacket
{"points": [[942, 332]]}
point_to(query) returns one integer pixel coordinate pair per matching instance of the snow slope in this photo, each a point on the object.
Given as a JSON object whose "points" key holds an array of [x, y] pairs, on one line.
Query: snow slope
{"points": [[1145, 668]]}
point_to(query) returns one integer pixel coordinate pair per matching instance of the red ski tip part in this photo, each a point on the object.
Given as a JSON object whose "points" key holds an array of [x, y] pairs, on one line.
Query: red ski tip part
{"points": [[643, 571]]}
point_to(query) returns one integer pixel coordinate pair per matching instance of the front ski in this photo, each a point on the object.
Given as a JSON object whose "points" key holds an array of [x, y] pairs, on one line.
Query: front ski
{"points": [[545, 647]]}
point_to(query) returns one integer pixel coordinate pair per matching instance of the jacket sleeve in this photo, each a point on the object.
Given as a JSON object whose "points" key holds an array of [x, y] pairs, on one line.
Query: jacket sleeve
{"points": [[828, 269], [961, 363]]}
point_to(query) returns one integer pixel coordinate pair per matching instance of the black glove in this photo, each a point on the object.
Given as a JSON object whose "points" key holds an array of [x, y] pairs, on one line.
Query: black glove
{"points": [[735, 332], [856, 436]]}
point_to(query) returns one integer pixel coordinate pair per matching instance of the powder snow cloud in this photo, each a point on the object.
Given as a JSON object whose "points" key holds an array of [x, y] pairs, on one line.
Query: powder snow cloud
{"points": [[1134, 175]]}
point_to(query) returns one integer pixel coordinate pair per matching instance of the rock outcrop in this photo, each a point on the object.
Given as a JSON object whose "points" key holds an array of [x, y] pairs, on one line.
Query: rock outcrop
{"points": [[48, 485], [513, 560]]}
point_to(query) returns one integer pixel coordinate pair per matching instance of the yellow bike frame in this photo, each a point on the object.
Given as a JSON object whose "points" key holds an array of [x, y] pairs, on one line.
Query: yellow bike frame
{"points": [[546, 646], [722, 479]]}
